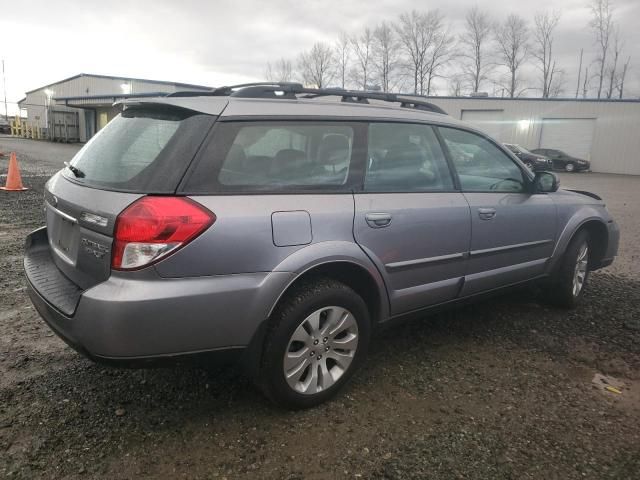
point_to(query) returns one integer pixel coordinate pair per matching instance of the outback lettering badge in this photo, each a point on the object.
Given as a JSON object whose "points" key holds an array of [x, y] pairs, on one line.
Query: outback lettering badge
{"points": [[94, 248]]}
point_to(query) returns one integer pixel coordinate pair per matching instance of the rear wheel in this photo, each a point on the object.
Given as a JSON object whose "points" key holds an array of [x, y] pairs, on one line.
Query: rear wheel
{"points": [[569, 282], [317, 339], [570, 167]]}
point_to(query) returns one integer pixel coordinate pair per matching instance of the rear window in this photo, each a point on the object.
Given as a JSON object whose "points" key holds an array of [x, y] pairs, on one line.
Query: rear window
{"points": [[142, 150], [276, 156]]}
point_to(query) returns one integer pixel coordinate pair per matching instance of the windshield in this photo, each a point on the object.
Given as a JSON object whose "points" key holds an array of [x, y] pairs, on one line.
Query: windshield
{"points": [[141, 150]]}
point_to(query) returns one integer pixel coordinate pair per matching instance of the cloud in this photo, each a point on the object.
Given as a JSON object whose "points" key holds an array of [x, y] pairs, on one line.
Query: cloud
{"points": [[226, 41]]}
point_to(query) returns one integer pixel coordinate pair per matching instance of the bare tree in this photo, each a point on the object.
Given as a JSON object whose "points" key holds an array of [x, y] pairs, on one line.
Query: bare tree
{"points": [[455, 85], [579, 72], [362, 46], [385, 55], [512, 37], [545, 25], [612, 70], [602, 24], [475, 40], [316, 65], [556, 87], [415, 39], [341, 57], [279, 71], [441, 50], [625, 69], [585, 85]]}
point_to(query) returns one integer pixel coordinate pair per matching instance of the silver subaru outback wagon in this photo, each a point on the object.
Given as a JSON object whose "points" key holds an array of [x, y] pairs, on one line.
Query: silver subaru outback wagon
{"points": [[282, 226]]}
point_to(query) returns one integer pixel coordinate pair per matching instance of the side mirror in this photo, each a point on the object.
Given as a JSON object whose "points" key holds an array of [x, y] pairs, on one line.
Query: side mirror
{"points": [[545, 182]]}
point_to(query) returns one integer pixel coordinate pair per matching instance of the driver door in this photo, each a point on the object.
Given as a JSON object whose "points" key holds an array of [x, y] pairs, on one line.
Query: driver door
{"points": [[512, 231]]}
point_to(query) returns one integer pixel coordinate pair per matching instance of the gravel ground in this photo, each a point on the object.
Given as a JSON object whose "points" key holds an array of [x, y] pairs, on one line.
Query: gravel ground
{"points": [[499, 390]]}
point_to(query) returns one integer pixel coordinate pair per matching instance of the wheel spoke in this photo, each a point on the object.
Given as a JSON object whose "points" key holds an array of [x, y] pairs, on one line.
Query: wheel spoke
{"points": [[348, 342], [346, 321], [333, 319], [300, 335], [343, 360], [293, 359], [311, 383], [313, 321], [326, 380], [293, 376]]}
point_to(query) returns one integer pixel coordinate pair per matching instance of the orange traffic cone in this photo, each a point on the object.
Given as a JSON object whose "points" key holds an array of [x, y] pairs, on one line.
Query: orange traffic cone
{"points": [[14, 181]]}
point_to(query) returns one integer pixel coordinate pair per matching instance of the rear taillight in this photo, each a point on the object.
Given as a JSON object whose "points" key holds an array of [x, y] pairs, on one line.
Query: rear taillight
{"points": [[153, 227]]}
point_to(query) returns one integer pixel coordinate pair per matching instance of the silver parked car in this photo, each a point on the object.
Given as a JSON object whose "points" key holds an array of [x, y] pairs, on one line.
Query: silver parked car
{"points": [[283, 225]]}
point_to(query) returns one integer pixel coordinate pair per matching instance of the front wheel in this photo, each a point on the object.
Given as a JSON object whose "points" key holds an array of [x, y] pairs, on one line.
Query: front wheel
{"points": [[317, 339], [570, 167], [568, 283]]}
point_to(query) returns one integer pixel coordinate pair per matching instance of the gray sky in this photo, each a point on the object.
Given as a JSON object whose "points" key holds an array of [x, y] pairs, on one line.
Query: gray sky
{"points": [[225, 41]]}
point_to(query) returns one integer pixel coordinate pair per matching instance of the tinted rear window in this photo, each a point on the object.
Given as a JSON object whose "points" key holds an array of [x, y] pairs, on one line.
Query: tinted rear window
{"points": [[141, 150]]}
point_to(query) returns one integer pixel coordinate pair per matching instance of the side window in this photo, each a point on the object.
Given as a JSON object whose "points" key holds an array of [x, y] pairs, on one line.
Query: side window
{"points": [[481, 166], [275, 155], [405, 158]]}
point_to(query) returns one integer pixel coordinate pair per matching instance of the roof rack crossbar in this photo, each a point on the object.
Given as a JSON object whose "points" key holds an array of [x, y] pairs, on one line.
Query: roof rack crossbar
{"points": [[290, 90]]}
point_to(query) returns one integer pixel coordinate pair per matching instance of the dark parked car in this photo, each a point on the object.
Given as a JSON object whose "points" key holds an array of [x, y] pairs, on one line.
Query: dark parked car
{"points": [[562, 160], [283, 225], [533, 161]]}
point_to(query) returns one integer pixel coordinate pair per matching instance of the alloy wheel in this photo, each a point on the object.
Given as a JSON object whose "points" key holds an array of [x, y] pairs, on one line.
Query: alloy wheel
{"points": [[580, 271], [569, 167], [321, 350]]}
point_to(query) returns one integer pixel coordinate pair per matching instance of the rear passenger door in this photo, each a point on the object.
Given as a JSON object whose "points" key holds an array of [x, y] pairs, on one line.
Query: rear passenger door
{"points": [[276, 188], [409, 217], [512, 230]]}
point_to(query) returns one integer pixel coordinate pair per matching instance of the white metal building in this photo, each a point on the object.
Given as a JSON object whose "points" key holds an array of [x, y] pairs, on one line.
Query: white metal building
{"points": [[75, 108], [605, 132]]}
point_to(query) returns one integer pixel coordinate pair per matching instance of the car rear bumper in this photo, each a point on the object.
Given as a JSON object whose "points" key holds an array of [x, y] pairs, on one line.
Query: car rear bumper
{"points": [[139, 316]]}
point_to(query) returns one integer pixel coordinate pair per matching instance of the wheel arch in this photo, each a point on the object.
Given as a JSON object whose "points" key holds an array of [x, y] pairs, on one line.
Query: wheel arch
{"points": [[362, 280], [351, 267], [599, 238]]}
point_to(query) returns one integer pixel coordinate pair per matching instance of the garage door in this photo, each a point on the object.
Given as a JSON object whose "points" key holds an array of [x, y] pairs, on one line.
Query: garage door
{"points": [[571, 135], [488, 121]]}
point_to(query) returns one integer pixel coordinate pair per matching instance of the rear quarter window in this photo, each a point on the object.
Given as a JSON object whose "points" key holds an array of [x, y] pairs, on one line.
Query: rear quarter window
{"points": [[142, 150]]}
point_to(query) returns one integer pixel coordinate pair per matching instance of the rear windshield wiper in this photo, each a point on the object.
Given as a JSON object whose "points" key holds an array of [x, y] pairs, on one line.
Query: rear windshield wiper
{"points": [[75, 170]]}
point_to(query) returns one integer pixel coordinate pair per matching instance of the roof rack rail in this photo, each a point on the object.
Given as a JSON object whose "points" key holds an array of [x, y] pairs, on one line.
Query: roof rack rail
{"points": [[291, 90], [231, 89]]}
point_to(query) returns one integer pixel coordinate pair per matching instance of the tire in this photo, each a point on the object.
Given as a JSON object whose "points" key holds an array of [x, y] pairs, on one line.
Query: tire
{"points": [[565, 289], [570, 167], [333, 355]]}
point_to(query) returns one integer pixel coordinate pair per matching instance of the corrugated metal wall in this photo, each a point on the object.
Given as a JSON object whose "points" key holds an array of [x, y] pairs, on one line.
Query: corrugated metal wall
{"points": [[89, 86], [616, 141]]}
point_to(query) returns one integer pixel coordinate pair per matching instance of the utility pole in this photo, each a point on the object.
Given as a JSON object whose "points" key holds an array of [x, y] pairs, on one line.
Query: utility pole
{"points": [[579, 72], [4, 85]]}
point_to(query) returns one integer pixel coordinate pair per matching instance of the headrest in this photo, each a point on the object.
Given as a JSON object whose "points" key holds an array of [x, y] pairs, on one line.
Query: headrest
{"points": [[288, 158], [333, 149], [405, 155]]}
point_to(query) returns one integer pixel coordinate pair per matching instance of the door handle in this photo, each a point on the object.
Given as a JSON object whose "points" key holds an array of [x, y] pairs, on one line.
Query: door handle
{"points": [[378, 220], [486, 213]]}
